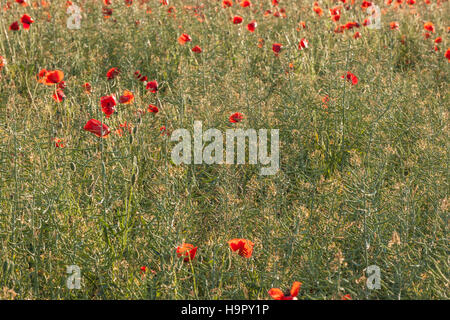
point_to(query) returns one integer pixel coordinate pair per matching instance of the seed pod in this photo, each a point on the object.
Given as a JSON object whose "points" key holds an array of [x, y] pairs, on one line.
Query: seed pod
{"points": [[73, 167], [135, 170]]}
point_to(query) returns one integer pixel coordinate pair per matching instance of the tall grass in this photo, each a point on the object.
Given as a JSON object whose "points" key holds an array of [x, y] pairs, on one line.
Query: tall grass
{"points": [[371, 165]]}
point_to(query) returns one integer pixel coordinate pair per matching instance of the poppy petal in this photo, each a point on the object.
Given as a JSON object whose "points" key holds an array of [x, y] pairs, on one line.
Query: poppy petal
{"points": [[295, 288], [276, 293]]}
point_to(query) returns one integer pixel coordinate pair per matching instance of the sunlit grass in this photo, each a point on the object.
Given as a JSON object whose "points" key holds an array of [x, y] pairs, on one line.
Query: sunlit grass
{"points": [[370, 164]]}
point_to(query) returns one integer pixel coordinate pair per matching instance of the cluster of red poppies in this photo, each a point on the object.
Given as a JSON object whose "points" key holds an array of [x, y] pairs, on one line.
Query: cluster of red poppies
{"points": [[26, 21], [108, 104], [244, 248], [51, 78], [184, 38]]}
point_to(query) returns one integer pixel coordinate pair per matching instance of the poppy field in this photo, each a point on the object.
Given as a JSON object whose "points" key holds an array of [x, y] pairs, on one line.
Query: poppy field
{"points": [[93, 206]]}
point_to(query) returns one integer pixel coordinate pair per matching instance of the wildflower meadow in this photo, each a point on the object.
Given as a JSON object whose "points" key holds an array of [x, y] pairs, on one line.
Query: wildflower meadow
{"points": [[224, 149]]}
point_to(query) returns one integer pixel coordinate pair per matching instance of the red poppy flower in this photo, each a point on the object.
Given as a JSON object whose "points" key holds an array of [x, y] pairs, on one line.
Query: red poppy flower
{"points": [[357, 35], [59, 95], [243, 247], [237, 19], [351, 77], [108, 104], [152, 108], [22, 2], [227, 3], [281, 13], [261, 43], [96, 127], [87, 87], [292, 294], [394, 25], [411, 2], [429, 26], [318, 10], [351, 25], [163, 131], [447, 54], [187, 250], [252, 26], [438, 40], [236, 117], [276, 47], [112, 73], [346, 297], [107, 2], [26, 21], [366, 4], [14, 26], [184, 38], [127, 97], [58, 143], [140, 77], [119, 132], [143, 270], [107, 12], [151, 271], [196, 49], [335, 11], [2, 62], [245, 3], [336, 17], [41, 76], [152, 86], [303, 44], [53, 77]]}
